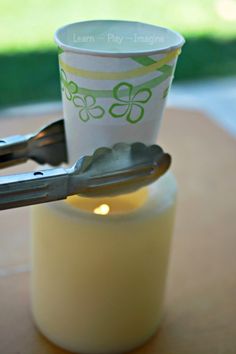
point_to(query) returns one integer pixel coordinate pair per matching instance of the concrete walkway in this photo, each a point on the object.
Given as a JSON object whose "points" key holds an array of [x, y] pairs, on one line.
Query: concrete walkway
{"points": [[216, 98]]}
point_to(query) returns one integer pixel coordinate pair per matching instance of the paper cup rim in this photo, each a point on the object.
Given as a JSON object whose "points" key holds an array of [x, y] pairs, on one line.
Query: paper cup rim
{"points": [[104, 53]]}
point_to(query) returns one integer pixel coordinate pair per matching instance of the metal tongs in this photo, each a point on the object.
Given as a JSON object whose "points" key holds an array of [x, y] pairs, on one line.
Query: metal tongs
{"points": [[45, 146], [108, 172]]}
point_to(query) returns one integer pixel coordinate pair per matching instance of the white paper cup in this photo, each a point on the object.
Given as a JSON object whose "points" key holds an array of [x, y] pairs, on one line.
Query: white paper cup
{"points": [[115, 76]]}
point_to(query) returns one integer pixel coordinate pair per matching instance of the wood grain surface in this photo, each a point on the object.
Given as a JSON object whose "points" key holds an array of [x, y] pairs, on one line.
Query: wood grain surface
{"points": [[200, 310]]}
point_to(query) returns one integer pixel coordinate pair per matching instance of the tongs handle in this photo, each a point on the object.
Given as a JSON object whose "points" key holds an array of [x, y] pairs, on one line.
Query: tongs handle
{"points": [[33, 188]]}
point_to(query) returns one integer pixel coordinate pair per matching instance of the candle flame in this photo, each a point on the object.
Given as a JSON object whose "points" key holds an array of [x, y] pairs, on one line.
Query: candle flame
{"points": [[102, 209]]}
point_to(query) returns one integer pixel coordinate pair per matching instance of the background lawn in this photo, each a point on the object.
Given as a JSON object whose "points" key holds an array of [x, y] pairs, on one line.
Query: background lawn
{"points": [[28, 55]]}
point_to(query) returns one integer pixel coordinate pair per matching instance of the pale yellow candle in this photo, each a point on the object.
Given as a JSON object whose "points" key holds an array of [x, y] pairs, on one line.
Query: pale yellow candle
{"points": [[99, 268]]}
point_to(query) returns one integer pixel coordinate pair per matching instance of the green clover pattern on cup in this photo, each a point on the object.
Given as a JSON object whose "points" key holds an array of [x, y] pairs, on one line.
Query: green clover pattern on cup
{"points": [[130, 107], [69, 87], [87, 104], [88, 107]]}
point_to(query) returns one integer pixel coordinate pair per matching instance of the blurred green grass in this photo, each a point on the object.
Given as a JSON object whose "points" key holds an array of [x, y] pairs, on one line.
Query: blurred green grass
{"points": [[30, 24], [28, 57]]}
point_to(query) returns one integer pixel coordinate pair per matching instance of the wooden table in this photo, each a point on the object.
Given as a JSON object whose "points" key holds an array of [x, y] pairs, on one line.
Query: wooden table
{"points": [[200, 316]]}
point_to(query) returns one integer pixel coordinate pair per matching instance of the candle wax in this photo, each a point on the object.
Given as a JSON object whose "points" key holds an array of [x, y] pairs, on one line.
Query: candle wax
{"points": [[99, 268]]}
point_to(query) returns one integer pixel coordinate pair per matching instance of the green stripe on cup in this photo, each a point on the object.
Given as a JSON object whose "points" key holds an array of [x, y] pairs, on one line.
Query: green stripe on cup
{"points": [[166, 69], [147, 66]]}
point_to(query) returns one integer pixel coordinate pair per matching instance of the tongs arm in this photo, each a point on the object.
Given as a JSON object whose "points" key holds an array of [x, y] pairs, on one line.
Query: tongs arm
{"points": [[33, 188], [108, 172], [45, 146], [13, 150]]}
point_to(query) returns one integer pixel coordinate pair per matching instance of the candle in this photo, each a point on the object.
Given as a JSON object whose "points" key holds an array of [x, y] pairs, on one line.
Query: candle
{"points": [[99, 268]]}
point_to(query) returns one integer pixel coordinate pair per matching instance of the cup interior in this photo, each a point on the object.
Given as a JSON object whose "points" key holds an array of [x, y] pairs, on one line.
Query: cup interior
{"points": [[110, 37]]}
